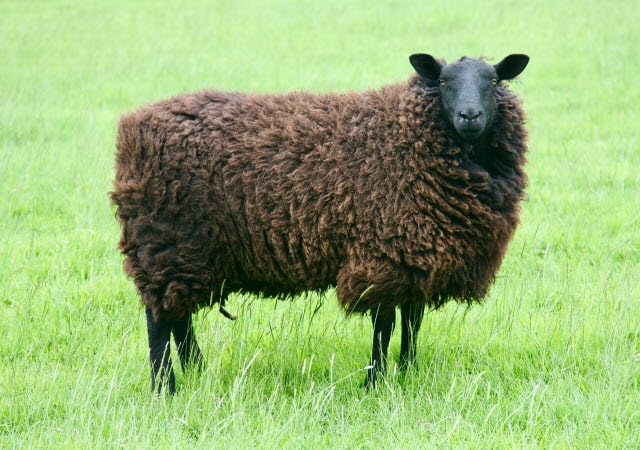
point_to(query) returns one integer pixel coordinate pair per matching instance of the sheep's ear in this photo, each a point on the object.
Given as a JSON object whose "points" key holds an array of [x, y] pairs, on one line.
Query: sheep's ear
{"points": [[426, 66], [511, 66]]}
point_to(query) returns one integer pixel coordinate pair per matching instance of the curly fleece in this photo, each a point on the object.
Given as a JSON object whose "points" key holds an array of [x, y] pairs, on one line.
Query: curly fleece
{"points": [[371, 192]]}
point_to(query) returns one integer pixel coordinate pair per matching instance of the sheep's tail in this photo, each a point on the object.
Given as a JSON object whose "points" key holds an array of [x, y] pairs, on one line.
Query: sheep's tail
{"points": [[226, 313]]}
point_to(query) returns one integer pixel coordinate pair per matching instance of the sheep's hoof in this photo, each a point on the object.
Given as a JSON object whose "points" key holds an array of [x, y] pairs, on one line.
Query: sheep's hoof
{"points": [[371, 378]]}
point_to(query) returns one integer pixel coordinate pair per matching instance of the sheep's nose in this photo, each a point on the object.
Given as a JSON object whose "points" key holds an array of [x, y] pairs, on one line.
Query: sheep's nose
{"points": [[470, 114]]}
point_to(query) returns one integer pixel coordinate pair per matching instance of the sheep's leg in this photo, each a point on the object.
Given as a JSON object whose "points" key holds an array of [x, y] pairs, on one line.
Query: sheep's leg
{"points": [[188, 348], [411, 320], [382, 329], [160, 354]]}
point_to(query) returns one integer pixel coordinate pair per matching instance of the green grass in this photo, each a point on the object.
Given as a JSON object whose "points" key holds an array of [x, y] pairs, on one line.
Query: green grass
{"points": [[552, 358]]}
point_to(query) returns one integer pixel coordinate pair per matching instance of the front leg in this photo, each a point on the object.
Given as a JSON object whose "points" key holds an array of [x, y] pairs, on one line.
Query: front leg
{"points": [[159, 332], [382, 329], [411, 320]]}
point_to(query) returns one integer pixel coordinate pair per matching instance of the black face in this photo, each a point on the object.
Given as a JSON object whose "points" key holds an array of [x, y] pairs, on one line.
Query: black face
{"points": [[468, 89]]}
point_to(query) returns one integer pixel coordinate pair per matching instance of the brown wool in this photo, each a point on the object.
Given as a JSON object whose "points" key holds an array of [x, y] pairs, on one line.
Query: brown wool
{"points": [[279, 194]]}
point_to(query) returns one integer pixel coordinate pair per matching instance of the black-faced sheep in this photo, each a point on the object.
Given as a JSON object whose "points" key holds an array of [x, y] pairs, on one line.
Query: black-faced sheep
{"points": [[406, 196]]}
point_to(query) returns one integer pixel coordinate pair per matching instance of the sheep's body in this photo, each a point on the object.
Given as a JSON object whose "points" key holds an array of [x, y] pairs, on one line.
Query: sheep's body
{"points": [[280, 194]]}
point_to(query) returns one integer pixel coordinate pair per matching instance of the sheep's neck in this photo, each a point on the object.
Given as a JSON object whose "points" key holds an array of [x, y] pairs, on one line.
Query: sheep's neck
{"points": [[480, 153]]}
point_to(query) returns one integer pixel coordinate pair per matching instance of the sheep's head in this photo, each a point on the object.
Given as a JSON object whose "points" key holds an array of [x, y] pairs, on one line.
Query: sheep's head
{"points": [[468, 88]]}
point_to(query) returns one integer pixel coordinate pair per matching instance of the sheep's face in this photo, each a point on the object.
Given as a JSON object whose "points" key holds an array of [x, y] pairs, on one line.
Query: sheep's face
{"points": [[468, 89]]}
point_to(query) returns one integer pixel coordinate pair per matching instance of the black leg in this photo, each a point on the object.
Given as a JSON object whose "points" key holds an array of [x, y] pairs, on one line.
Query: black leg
{"points": [[188, 349], [159, 354], [382, 330], [411, 320]]}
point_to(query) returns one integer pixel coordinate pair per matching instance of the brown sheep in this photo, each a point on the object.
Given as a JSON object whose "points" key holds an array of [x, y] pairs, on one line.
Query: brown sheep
{"points": [[406, 196]]}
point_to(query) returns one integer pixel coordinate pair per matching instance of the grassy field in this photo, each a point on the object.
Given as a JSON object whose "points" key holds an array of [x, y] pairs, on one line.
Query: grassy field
{"points": [[552, 359]]}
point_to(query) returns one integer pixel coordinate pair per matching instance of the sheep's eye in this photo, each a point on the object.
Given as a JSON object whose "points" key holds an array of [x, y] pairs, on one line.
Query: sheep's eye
{"points": [[494, 81], [442, 82]]}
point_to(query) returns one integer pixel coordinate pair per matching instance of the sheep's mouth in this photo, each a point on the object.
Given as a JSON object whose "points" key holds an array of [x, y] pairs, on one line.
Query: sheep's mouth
{"points": [[470, 134], [470, 130]]}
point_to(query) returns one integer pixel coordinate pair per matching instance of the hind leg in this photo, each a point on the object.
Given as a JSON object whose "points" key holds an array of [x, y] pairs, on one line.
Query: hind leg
{"points": [[162, 375], [382, 330], [188, 348]]}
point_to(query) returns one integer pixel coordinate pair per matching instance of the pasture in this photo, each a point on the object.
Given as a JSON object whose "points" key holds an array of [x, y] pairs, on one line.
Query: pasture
{"points": [[550, 360]]}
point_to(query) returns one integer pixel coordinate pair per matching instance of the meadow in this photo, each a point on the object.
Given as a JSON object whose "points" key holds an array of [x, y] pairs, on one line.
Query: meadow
{"points": [[550, 360]]}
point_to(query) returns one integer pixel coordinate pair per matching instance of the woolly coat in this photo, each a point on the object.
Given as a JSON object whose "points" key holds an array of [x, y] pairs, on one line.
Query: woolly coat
{"points": [[372, 192]]}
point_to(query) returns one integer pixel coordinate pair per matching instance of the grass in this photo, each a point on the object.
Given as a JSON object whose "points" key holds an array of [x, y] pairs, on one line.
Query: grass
{"points": [[552, 359]]}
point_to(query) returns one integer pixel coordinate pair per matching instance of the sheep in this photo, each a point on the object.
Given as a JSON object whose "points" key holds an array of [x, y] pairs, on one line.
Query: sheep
{"points": [[402, 197]]}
